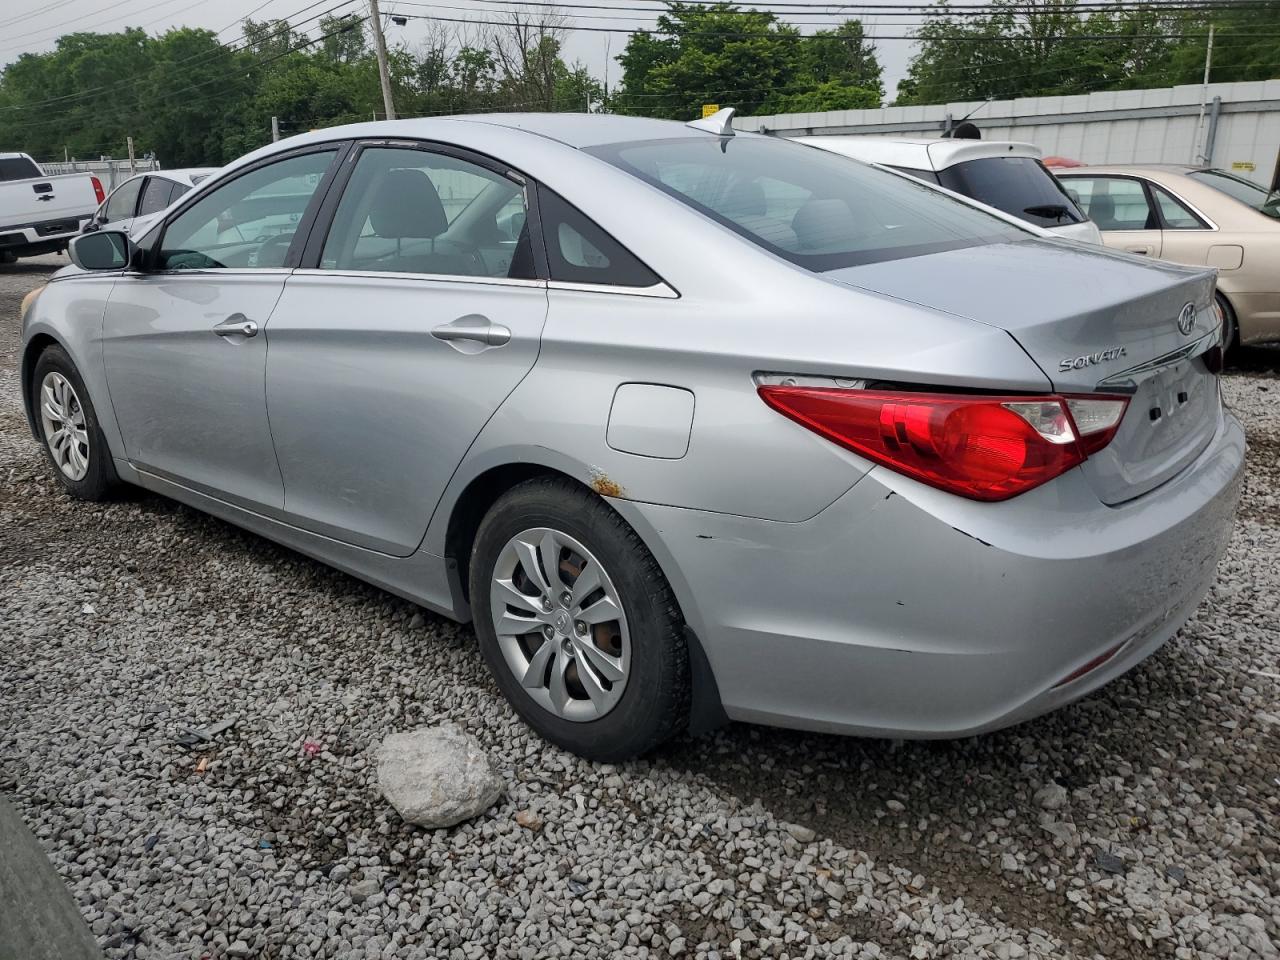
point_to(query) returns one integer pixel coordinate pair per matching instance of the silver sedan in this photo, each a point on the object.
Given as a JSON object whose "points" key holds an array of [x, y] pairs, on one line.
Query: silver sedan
{"points": [[692, 425]]}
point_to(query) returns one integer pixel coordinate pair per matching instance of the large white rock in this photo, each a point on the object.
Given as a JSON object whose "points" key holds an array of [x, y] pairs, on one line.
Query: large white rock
{"points": [[437, 776]]}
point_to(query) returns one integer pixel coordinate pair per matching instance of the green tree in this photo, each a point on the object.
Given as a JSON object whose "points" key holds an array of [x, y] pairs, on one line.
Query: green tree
{"points": [[746, 59]]}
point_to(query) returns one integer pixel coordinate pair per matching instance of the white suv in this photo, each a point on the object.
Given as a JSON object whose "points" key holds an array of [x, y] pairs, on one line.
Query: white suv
{"points": [[1000, 173]]}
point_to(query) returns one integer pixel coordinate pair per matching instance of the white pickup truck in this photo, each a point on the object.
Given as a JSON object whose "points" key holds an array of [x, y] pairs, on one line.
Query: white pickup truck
{"points": [[40, 214]]}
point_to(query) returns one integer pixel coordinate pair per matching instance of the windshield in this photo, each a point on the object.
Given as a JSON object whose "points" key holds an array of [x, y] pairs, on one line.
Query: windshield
{"points": [[1017, 185], [1246, 191], [814, 208]]}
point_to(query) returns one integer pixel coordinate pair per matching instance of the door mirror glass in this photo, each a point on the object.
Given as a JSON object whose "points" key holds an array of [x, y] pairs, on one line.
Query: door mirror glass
{"points": [[102, 250]]}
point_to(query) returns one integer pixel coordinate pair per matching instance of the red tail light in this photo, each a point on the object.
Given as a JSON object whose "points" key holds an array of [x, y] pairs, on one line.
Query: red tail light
{"points": [[981, 447], [97, 189]]}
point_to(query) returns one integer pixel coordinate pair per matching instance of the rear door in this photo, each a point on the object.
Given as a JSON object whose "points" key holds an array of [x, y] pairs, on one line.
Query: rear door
{"points": [[418, 312], [1123, 210]]}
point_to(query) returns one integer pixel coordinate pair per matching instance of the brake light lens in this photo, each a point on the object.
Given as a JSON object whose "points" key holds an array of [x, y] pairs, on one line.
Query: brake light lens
{"points": [[982, 447], [97, 188]]}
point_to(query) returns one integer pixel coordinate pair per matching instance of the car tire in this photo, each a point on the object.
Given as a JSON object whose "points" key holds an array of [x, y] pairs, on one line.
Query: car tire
{"points": [[644, 646], [1230, 329], [69, 430]]}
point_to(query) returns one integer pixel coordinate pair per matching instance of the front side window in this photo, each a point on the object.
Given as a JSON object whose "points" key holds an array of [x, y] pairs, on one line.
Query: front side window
{"points": [[1176, 216], [814, 208], [121, 204], [249, 221], [155, 195], [415, 211], [1020, 186], [1114, 203]]}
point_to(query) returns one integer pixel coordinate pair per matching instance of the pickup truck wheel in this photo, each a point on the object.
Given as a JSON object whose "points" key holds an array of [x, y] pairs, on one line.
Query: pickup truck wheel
{"points": [[73, 441], [8, 256]]}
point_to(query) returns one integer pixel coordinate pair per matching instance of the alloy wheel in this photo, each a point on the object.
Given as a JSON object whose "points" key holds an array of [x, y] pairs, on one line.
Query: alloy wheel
{"points": [[560, 624], [65, 430]]}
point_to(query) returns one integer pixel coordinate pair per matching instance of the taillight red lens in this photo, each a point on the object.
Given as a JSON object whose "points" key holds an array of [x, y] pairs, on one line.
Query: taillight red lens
{"points": [[981, 447], [97, 189]]}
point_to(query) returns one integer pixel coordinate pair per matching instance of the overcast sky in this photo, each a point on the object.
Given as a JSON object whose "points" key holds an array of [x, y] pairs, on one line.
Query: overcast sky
{"points": [[35, 25]]}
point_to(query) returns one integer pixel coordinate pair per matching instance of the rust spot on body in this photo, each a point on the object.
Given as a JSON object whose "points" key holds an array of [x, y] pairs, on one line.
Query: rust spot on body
{"points": [[605, 486]]}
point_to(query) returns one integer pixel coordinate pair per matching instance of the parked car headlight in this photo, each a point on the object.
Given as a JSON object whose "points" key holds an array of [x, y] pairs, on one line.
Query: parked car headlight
{"points": [[27, 301]]}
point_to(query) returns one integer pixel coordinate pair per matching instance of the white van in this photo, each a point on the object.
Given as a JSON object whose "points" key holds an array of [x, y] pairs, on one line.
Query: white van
{"points": [[1000, 173]]}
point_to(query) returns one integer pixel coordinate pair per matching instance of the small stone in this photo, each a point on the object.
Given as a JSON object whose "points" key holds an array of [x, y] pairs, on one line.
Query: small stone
{"points": [[1009, 863], [238, 949], [1052, 796], [529, 820], [417, 621], [1108, 862], [896, 806], [801, 834], [365, 889]]}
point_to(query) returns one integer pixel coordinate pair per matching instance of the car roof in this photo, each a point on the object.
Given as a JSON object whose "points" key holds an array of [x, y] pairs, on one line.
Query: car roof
{"points": [[921, 153], [1133, 169], [585, 129]]}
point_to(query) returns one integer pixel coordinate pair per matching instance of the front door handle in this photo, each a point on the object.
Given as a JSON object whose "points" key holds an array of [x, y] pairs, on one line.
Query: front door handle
{"points": [[476, 328], [236, 325]]}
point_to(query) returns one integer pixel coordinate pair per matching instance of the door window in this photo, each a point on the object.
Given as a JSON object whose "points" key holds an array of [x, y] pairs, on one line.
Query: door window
{"points": [[415, 211], [579, 251], [1114, 203], [1176, 216], [247, 222], [123, 201], [155, 195]]}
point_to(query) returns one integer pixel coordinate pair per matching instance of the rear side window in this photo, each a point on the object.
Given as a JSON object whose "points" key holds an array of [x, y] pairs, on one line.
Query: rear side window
{"points": [[1176, 216], [1021, 186], [17, 168], [579, 251], [806, 205], [1114, 203]]}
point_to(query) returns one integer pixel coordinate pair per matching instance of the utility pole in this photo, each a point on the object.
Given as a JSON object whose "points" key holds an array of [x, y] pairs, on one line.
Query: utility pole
{"points": [[384, 71], [275, 129], [1204, 96], [133, 167]]}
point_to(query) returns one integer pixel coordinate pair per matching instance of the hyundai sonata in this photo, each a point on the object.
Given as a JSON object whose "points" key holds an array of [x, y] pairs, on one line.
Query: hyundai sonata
{"points": [[692, 425]]}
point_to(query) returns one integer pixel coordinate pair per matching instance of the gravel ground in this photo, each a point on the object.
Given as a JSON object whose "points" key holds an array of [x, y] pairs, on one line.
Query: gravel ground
{"points": [[1141, 822]]}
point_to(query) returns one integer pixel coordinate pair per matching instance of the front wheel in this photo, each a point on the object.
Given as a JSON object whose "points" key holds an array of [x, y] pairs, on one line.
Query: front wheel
{"points": [[73, 442], [577, 623]]}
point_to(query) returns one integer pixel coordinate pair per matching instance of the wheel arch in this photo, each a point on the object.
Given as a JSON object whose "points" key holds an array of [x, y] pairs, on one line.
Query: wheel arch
{"points": [[455, 536], [31, 353]]}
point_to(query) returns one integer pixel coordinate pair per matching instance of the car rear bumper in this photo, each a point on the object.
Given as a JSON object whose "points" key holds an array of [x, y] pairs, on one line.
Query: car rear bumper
{"points": [[900, 610], [40, 234]]}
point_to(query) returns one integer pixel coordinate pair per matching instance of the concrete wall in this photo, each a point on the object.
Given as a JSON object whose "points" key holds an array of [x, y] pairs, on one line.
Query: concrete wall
{"points": [[1121, 126]]}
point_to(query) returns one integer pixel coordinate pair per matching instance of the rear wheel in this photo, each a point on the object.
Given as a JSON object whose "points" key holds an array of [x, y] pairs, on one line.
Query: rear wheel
{"points": [[1230, 331], [577, 623], [73, 442]]}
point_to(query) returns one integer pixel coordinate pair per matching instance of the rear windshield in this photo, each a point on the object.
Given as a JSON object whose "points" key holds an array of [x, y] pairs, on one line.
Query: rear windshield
{"points": [[1021, 186], [1246, 191], [812, 207], [17, 168]]}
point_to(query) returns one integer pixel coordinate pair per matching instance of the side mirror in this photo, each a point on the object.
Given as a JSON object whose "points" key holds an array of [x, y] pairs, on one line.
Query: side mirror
{"points": [[103, 250]]}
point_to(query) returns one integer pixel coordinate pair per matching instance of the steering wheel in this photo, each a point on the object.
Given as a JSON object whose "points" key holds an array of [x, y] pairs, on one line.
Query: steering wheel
{"points": [[272, 252]]}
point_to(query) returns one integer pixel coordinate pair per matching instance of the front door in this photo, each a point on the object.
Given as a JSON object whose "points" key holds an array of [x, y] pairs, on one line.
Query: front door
{"points": [[422, 313], [185, 341]]}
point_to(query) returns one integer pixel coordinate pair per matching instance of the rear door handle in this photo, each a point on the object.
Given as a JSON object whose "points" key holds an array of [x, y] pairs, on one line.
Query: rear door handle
{"points": [[1141, 251], [475, 328], [236, 325]]}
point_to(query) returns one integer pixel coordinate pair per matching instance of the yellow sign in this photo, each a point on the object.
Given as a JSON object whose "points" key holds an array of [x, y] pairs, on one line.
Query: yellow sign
{"points": [[708, 109], [1237, 165]]}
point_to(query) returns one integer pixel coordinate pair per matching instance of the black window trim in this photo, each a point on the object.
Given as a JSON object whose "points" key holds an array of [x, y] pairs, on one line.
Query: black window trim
{"points": [[318, 230], [154, 240]]}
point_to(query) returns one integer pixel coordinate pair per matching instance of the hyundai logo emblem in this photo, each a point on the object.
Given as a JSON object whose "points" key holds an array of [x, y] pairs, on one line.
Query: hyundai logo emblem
{"points": [[1187, 319]]}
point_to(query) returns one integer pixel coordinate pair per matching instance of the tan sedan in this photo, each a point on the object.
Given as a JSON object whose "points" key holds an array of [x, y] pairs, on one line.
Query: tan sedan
{"points": [[1194, 215]]}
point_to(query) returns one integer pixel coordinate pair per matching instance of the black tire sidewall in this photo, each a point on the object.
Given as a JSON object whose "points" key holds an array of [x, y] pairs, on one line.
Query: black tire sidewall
{"points": [[1231, 330], [100, 478], [654, 704]]}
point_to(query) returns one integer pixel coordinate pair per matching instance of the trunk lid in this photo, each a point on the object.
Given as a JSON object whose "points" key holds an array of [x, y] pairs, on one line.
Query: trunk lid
{"points": [[1094, 322]]}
